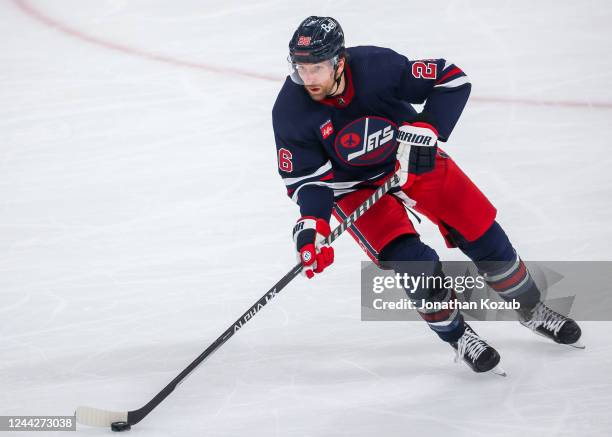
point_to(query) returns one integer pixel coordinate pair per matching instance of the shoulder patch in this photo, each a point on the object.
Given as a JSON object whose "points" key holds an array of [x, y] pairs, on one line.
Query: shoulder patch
{"points": [[327, 129]]}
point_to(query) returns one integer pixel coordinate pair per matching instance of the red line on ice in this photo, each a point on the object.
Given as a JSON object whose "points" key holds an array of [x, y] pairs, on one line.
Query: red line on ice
{"points": [[29, 10], [48, 21]]}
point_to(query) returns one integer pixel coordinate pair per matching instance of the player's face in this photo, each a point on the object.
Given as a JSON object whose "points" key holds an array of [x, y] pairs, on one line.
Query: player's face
{"points": [[318, 79]]}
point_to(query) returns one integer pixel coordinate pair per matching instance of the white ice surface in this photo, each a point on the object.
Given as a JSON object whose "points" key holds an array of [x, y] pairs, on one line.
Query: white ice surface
{"points": [[141, 213]]}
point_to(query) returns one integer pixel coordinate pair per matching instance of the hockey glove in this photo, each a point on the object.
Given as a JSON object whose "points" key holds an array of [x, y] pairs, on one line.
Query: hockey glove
{"points": [[308, 235], [417, 149]]}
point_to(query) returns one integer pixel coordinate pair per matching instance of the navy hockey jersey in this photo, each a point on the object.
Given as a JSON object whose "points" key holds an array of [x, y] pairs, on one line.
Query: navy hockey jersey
{"points": [[329, 148]]}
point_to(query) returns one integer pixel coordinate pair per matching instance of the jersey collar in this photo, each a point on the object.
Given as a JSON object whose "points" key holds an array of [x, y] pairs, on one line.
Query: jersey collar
{"points": [[344, 99]]}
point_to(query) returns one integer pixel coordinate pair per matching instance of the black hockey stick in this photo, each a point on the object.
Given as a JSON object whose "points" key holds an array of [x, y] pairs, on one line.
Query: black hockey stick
{"points": [[122, 420]]}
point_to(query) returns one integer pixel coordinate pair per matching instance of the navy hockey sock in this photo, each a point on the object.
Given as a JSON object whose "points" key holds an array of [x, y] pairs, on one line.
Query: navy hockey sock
{"points": [[408, 254], [501, 266]]}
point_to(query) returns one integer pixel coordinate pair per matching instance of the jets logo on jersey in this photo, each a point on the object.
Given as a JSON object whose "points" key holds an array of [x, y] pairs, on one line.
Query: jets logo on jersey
{"points": [[350, 140], [366, 141], [326, 129]]}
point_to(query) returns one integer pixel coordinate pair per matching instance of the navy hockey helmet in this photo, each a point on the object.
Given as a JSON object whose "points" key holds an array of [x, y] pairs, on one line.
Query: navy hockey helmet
{"points": [[316, 39]]}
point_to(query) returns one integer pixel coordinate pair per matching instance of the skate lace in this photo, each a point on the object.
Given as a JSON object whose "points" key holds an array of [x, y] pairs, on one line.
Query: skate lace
{"points": [[545, 317], [471, 345]]}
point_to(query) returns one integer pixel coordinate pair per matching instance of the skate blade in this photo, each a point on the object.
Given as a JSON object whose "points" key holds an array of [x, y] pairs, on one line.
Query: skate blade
{"points": [[577, 345], [498, 370]]}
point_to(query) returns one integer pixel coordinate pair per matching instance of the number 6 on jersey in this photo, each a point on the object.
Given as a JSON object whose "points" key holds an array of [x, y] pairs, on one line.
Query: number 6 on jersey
{"points": [[284, 160]]}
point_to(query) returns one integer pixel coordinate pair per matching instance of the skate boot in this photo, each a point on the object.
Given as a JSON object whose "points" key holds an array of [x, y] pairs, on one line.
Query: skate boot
{"points": [[550, 324], [477, 353]]}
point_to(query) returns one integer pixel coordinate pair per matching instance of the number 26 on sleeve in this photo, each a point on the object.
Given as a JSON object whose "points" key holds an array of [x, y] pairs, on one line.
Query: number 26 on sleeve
{"points": [[424, 70]]}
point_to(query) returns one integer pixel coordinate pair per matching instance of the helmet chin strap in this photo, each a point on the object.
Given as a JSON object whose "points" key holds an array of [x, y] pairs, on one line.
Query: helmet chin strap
{"points": [[337, 82]]}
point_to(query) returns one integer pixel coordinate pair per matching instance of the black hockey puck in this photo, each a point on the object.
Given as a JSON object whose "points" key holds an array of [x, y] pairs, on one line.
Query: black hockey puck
{"points": [[120, 426]]}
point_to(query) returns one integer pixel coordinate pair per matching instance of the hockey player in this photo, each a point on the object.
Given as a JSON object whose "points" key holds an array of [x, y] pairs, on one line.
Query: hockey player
{"points": [[343, 123]]}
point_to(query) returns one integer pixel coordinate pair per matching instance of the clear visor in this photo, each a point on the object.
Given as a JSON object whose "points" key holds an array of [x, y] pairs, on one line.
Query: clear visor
{"points": [[312, 74]]}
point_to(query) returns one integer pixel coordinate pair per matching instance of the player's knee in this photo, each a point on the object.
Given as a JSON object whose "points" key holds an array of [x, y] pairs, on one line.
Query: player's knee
{"points": [[408, 247], [493, 245], [407, 254]]}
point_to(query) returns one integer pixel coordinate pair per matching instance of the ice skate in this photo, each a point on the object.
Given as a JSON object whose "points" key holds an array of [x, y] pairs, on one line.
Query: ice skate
{"points": [[476, 353], [550, 324]]}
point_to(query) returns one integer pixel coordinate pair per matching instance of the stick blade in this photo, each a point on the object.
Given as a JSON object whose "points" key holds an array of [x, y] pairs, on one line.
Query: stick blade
{"points": [[96, 417]]}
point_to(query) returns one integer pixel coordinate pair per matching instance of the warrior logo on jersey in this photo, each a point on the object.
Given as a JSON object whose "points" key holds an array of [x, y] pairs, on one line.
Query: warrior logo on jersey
{"points": [[366, 141]]}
